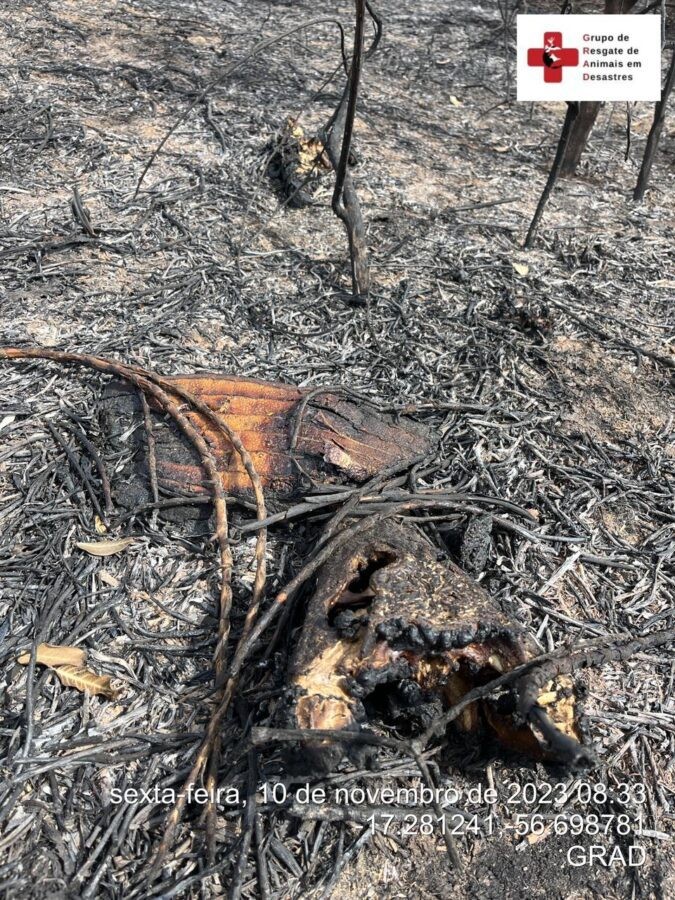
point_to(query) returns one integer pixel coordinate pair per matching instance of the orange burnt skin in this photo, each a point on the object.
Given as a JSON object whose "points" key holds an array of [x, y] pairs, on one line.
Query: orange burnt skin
{"points": [[338, 438]]}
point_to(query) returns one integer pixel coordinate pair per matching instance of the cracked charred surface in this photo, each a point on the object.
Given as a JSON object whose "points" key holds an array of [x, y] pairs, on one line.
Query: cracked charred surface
{"points": [[338, 439], [393, 633]]}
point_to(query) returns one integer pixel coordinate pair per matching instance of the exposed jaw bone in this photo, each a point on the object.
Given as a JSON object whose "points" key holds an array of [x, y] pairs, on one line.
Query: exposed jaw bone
{"points": [[393, 633]]}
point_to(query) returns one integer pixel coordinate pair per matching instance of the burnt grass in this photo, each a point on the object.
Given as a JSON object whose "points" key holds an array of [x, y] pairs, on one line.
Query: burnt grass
{"points": [[538, 370]]}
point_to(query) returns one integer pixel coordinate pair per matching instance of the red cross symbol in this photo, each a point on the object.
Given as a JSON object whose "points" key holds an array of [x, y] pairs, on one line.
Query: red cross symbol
{"points": [[552, 56]]}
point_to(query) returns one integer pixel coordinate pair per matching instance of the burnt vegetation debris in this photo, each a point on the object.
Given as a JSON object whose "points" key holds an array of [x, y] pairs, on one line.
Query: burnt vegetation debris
{"points": [[544, 373]]}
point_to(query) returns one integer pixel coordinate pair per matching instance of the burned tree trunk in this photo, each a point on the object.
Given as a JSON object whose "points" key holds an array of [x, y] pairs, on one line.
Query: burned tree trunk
{"points": [[392, 634], [579, 135], [290, 433], [588, 110]]}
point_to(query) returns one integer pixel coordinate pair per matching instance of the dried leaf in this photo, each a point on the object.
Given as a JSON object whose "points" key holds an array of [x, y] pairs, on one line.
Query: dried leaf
{"points": [[85, 680], [534, 838], [521, 269], [54, 655], [455, 101], [104, 548]]}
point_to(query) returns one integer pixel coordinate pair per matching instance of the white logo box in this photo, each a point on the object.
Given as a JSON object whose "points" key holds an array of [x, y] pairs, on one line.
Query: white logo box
{"points": [[618, 57]]}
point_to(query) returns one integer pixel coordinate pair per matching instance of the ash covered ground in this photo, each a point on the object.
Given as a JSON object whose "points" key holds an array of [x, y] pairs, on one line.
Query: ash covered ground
{"points": [[536, 369]]}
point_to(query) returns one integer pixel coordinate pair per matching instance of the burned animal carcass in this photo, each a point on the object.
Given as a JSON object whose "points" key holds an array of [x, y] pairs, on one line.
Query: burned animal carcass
{"points": [[393, 633], [292, 434]]}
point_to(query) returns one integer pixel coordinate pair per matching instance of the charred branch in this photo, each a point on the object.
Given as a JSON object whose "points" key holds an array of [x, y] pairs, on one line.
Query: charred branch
{"points": [[655, 133], [570, 118], [338, 142]]}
